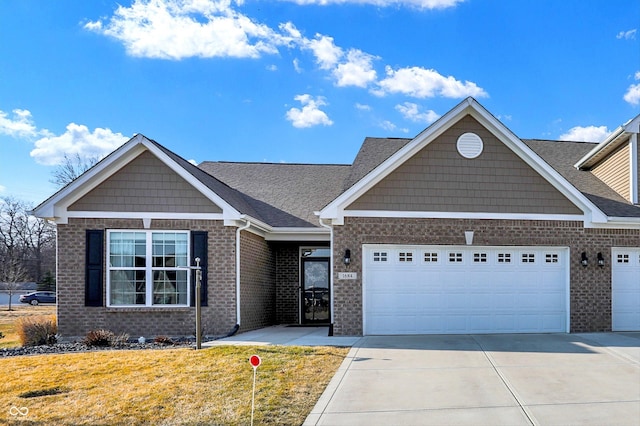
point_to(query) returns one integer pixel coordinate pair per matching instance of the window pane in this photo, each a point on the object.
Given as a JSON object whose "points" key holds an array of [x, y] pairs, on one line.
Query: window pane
{"points": [[169, 287], [169, 249], [127, 287], [127, 249]]}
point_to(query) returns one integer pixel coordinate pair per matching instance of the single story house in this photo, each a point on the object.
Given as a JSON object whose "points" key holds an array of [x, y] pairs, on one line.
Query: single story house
{"points": [[465, 228]]}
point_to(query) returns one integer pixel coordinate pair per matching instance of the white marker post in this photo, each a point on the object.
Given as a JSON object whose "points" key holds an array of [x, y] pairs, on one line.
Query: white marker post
{"points": [[255, 361]]}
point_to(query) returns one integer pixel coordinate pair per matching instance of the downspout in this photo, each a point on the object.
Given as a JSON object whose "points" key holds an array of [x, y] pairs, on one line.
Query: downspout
{"points": [[634, 191], [238, 231], [330, 228]]}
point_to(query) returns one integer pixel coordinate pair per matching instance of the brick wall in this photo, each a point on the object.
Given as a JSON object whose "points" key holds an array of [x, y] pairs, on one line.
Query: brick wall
{"points": [[257, 282], [288, 279], [75, 319], [590, 288]]}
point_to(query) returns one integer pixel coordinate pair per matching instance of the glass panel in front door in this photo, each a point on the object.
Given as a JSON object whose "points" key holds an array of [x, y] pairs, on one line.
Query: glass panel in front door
{"points": [[315, 297]]}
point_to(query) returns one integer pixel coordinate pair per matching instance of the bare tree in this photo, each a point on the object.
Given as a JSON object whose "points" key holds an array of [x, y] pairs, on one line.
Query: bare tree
{"points": [[71, 168], [12, 273], [27, 245]]}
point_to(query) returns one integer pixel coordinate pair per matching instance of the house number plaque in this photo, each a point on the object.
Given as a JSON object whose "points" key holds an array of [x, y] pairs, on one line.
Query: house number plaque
{"points": [[347, 275]]}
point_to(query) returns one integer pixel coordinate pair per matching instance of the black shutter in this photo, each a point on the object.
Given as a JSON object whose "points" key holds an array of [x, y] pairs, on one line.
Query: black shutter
{"points": [[93, 281], [199, 248]]}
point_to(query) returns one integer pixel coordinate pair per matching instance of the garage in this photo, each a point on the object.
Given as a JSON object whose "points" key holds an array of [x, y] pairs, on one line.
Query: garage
{"points": [[464, 289], [625, 289]]}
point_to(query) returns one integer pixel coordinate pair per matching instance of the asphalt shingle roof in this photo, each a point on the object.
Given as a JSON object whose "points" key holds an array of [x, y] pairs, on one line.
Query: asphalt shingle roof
{"points": [[283, 194], [562, 155], [287, 195]]}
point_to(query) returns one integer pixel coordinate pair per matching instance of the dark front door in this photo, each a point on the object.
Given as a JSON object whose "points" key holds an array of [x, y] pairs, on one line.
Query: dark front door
{"points": [[315, 290]]}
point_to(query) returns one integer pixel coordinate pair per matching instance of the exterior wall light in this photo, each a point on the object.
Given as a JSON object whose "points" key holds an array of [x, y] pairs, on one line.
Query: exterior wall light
{"points": [[584, 261], [600, 260], [347, 257]]}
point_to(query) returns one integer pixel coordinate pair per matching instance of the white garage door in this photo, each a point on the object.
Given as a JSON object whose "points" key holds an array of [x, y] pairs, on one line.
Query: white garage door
{"points": [[625, 289], [462, 289]]}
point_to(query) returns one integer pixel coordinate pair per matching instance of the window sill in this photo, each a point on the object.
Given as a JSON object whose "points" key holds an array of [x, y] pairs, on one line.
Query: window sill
{"points": [[149, 309]]}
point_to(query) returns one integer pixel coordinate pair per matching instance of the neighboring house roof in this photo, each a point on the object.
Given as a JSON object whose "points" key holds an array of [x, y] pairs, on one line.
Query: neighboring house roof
{"points": [[282, 194], [562, 156]]}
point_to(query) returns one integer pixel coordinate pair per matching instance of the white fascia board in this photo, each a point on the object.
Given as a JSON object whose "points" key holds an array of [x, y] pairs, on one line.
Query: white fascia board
{"points": [[299, 234], [463, 215], [63, 219], [629, 128], [274, 233], [619, 223]]}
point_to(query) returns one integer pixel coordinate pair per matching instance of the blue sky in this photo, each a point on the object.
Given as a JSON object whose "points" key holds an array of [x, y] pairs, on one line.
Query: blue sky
{"points": [[299, 80]]}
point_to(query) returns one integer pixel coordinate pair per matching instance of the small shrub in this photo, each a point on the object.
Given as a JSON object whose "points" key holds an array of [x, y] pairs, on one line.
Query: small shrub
{"points": [[99, 337], [1, 335], [120, 340], [37, 330], [164, 340]]}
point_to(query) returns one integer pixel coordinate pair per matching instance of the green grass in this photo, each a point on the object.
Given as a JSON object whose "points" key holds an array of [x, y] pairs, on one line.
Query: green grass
{"points": [[167, 387]]}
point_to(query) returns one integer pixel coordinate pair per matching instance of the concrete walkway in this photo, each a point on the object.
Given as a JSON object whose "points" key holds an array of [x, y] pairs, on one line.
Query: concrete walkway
{"points": [[286, 335], [539, 379]]}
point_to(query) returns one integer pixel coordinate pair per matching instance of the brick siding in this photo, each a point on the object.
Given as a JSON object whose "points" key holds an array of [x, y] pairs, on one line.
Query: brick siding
{"points": [[75, 319], [288, 279], [257, 282], [590, 288]]}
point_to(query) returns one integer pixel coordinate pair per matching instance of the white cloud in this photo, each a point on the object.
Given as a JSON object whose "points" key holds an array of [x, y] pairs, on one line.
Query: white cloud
{"points": [[412, 112], [272, 67], [2, 189], [77, 139], [387, 125], [20, 125], [296, 66], [585, 134], [420, 4], [356, 71], [310, 115], [425, 83], [627, 35], [632, 95], [363, 107], [324, 49], [186, 28]]}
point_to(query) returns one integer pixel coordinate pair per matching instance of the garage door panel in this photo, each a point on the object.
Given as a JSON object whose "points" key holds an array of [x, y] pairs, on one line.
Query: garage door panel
{"points": [[466, 290], [625, 289]]}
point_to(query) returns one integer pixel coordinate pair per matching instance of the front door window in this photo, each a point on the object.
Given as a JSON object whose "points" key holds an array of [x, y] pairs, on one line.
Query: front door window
{"points": [[315, 290]]}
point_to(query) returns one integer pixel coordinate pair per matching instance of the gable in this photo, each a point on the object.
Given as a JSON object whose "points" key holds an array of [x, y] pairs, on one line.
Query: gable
{"points": [[438, 179], [615, 171], [145, 184]]}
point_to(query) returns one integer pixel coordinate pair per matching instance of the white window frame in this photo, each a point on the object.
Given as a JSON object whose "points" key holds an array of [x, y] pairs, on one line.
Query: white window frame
{"points": [[149, 268]]}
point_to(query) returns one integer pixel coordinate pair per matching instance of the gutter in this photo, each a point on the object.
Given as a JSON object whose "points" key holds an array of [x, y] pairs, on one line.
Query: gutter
{"points": [[238, 231], [330, 228]]}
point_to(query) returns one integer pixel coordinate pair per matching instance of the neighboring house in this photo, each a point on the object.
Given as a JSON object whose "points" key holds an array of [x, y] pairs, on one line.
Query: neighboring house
{"points": [[463, 229]]}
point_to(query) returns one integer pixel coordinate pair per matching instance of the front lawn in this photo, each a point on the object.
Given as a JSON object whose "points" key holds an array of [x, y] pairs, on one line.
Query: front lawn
{"points": [[170, 386]]}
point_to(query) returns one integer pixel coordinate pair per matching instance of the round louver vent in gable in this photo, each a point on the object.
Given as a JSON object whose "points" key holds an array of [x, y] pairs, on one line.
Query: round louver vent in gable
{"points": [[469, 145]]}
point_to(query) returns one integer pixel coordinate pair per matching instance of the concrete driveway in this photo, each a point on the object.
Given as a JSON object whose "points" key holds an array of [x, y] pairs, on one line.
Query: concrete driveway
{"points": [[541, 379]]}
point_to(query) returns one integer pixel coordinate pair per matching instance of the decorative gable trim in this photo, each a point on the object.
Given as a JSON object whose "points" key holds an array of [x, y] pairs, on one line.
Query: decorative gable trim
{"points": [[336, 210], [56, 207]]}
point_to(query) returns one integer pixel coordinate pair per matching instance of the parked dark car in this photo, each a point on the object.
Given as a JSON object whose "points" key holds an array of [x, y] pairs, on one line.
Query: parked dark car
{"points": [[38, 297]]}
